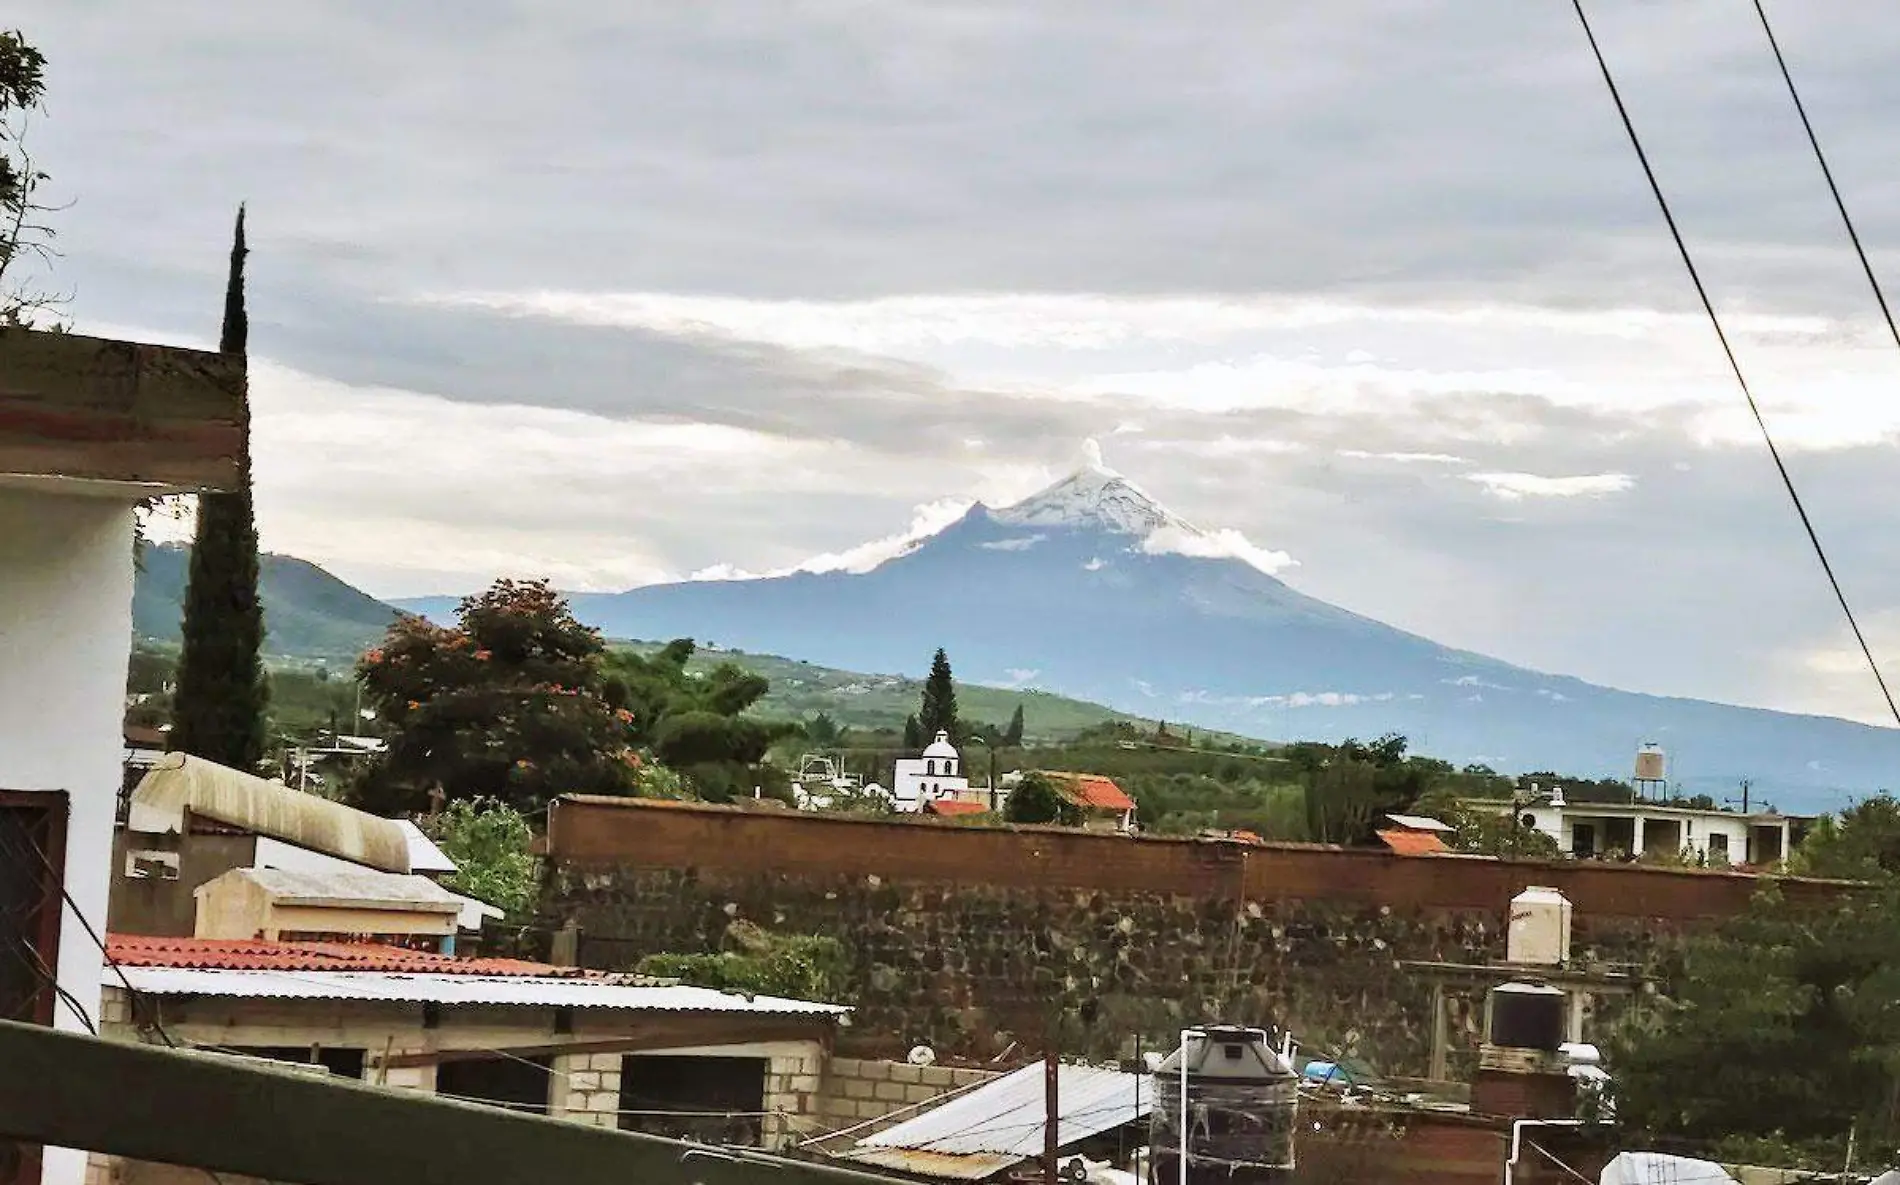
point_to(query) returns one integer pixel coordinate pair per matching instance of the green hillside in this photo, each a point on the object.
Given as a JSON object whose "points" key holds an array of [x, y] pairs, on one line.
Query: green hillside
{"points": [[313, 619], [879, 703], [308, 613]]}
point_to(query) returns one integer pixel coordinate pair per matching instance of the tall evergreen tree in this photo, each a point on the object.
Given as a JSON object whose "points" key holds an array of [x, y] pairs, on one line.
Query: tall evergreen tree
{"points": [[1013, 735], [218, 710], [938, 712], [913, 733]]}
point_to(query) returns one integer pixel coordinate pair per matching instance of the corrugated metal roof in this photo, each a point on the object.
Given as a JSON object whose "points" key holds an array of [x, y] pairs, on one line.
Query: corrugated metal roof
{"points": [[275, 853], [1420, 823], [362, 887], [424, 856], [942, 1165], [522, 991], [212, 791], [1001, 1122], [257, 954]]}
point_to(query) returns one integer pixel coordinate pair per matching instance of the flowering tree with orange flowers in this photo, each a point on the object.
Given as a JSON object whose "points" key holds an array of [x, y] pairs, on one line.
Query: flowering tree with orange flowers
{"points": [[510, 704]]}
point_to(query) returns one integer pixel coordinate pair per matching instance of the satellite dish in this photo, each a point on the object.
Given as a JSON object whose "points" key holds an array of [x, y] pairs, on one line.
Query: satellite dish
{"points": [[922, 1055]]}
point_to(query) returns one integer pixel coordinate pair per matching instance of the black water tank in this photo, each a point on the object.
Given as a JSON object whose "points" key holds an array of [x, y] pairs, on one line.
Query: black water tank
{"points": [[1527, 1016]]}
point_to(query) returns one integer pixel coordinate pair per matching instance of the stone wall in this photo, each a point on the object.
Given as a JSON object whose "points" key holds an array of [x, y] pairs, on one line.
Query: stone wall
{"points": [[968, 939]]}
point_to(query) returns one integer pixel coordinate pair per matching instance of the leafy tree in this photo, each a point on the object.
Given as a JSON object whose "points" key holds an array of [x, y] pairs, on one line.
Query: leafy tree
{"points": [[1778, 1025], [23, 236], [1501, 834], [1036, 800], [490, 843], [1349, 788], [1013, 735], [913, 734], [823, 731], [223, 696], [696, 722], [1862, 844], [508, 704], [938, 711]]}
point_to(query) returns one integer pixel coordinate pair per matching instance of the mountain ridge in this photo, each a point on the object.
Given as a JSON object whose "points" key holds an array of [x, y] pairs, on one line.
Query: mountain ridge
{"points": [[1091, 589]]}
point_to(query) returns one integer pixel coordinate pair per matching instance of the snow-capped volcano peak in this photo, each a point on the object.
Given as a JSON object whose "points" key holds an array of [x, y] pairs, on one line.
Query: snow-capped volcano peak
{"points": [[1093, 497]]}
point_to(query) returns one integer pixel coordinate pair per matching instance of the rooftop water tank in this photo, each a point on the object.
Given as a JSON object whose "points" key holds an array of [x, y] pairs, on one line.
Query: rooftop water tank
{"points": [[1539, 930], [1240, 1110], [1527, 1016]]}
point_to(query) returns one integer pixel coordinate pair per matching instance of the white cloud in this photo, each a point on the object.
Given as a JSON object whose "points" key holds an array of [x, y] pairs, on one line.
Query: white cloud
{"points": [[1405, 458], [1513, 487], [1225, 543], [1020, 543], [926, 520]]}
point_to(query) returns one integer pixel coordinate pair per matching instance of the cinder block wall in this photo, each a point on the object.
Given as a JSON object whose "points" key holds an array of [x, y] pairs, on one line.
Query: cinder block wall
{"points": [[857, 1090]]}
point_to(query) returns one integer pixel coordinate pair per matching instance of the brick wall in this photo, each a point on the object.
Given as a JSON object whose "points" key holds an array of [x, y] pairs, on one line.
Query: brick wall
{"points": [[968, 938]]}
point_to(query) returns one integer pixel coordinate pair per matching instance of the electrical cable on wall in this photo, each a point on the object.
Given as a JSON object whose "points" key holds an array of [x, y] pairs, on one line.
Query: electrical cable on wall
{"points": [[1735, 366]]}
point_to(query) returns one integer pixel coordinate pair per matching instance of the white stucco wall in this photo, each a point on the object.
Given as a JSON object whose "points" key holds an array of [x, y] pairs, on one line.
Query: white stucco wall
{"points": [[65, 639], [911, 786], [1697, 827]]}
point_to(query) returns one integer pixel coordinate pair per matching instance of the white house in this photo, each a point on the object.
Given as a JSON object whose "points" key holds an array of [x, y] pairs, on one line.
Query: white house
{"points": [[1609, 830], [88, 429], [937, 774]]}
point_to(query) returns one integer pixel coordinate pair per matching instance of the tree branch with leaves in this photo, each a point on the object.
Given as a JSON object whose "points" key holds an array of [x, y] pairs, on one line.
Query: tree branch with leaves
{"points": [[26, 238]]}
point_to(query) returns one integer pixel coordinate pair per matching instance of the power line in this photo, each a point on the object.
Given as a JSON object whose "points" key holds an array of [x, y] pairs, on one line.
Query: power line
{"points": [[1728, 351], [1820, 158]]}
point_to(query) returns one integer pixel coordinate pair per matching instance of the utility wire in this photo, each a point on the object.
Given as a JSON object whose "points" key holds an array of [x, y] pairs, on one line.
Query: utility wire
{"points": [[1728, 351], [1820, 158]]}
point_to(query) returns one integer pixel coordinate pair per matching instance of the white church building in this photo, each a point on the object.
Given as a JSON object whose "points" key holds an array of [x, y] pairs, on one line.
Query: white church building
{"points": [[938, 774]]}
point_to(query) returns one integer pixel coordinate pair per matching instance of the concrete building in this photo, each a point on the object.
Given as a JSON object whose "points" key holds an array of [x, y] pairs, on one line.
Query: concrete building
{"points": [[616, 1051], [938, 773], [190, 822], [89, 429], [1633, 830]]}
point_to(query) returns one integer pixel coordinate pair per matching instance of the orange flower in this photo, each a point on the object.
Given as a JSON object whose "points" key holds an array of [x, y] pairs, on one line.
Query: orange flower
{"points": [[414, 704], [483, 655], [624, 716], [373, 657]]}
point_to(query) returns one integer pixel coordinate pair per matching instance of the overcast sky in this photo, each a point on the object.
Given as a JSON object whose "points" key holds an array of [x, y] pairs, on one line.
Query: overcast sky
{"points": [[618, 293]]}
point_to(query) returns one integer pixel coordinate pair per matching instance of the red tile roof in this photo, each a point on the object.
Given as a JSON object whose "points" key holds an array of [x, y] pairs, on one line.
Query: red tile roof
{"points": [[1093, 790], [954, 806], [1414, 843], [238, 954]]}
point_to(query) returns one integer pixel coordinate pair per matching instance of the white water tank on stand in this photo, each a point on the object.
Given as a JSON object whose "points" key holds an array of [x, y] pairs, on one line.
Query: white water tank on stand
{"points": [[1539, 930]]}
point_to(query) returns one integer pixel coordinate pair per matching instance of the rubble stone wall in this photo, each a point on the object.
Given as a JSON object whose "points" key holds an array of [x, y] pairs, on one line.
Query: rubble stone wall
{"points": [[968, 939]]}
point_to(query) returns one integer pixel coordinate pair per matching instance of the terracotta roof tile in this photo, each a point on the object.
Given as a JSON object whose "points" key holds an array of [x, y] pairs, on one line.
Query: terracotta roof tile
{"points": [[1414, 843], [1093, 790], [954, 806], [237, 954]]}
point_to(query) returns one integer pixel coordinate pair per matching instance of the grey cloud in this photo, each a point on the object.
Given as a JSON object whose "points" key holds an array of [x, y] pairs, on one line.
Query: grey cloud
{"points": [[1419, 151]]}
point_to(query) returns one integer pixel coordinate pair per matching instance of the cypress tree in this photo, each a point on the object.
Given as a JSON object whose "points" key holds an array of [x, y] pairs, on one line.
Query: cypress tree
{"points": [[218, 710], [1013, 735], [938, 712], [913, 734]]}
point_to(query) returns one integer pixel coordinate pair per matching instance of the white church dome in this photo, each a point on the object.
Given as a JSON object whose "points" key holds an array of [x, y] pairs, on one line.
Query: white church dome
{"points": [[941, 747]]}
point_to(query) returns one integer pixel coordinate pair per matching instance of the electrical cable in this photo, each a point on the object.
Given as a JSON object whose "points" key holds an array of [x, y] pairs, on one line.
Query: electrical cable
{"points": [[1820, 158], [1728, 351]]}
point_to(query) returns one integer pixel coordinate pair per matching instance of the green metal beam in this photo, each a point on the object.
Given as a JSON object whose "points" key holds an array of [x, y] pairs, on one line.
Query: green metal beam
{"points": [[230, 1116]]}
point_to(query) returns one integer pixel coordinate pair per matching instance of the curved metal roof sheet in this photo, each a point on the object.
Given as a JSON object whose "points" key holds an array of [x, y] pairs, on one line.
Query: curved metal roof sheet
{"points": [[181, 783]]}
